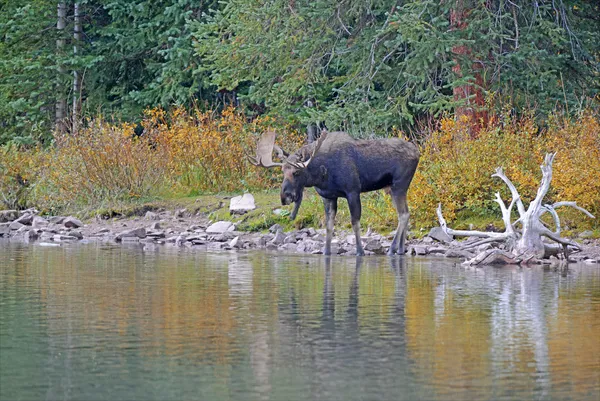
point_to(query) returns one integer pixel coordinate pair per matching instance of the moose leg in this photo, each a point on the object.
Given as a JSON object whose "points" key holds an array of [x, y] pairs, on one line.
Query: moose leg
{"points": [[399, 200], [355, 212], [330, 212]]}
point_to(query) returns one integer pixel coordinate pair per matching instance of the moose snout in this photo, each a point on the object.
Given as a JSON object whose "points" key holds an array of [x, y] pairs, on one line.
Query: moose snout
{"points": [[287, 198]]}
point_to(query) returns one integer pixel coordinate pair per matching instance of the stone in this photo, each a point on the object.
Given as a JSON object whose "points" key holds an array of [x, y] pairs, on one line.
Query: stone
{"points": [[271, 247], [130, 239], [39, 222], [135, 232], [151, 216], [217, 246], [234, 242], [180, 240], [220, 227], [278, 238], [72, 222], [76, 234], [6, 216], [241, 204], [275, 228], [263, 240], [458, 253], [427, 240], [155, 226], [180, 213], [373, 245], [155, 234], [290, 239], [56, 219], [15, 225], [438, 234], [417, 250], [288, 247], [437, 250], [586, 234]]}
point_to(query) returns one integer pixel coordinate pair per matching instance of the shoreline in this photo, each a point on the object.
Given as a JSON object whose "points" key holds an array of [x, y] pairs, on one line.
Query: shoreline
{"points": [[181, 228]]}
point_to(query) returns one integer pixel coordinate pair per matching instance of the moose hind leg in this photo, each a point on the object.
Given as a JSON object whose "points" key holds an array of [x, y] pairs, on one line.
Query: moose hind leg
{"points": [[355, 212], [399, 200], [330, 212]]}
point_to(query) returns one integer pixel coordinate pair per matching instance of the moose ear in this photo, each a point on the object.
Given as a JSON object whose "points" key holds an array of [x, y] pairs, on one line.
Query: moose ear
{"points": [[323, 171]]}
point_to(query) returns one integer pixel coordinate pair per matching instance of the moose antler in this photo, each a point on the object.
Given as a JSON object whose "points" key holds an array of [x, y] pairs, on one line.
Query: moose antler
{"points": [[264, 151], [303, 165]]}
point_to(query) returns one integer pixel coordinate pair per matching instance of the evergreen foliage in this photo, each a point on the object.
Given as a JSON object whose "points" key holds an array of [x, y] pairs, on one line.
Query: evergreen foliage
{"points": [[362, 66]]}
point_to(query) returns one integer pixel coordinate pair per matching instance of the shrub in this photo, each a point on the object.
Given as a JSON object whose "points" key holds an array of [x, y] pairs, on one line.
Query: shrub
{"points": [[456, 169]]}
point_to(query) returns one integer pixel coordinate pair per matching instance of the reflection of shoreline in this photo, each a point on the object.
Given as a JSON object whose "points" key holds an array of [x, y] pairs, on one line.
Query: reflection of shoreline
{"points": [[451, 330]]}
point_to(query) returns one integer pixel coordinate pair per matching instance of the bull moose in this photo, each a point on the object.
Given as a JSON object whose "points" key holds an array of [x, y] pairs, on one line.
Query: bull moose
{"points": [[339, 166]]}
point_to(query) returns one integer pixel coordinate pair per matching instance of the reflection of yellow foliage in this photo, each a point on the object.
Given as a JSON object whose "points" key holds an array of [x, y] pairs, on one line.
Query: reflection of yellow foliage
{"points": [[574, 346]]}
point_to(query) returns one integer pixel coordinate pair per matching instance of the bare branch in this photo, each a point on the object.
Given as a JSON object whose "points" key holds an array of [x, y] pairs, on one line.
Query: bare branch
{"points": [[467, 233], [573, 205], [513, 190], [546, 168]]}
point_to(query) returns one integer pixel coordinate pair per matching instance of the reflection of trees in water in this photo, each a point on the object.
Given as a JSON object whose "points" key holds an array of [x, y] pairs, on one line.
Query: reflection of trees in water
{"points": [[490, 332], [333, 319]]}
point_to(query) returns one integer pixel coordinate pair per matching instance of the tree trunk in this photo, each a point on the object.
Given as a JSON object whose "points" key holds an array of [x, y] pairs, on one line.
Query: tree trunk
{"points": [[61, 101], [76, 77], [469, 95]]}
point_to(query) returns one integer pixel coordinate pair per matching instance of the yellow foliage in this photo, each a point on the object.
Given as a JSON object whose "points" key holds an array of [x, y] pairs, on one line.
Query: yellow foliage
{"points": [[456, 169]]}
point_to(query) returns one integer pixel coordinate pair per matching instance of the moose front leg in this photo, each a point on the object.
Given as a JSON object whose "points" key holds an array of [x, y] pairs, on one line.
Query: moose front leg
{"points": [[355, 212], [330, 212]]}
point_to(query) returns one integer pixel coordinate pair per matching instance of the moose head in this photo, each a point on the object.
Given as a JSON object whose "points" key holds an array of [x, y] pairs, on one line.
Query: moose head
{"points": [[294, 166]]}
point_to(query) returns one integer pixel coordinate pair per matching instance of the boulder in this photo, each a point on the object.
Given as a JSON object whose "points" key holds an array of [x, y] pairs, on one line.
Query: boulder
{"points": [[4, 229], [220, 227], [241, 204], [72, 222]]}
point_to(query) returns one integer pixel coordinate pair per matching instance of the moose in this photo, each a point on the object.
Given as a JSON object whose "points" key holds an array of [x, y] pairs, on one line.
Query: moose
{"points": [[339, 166]]}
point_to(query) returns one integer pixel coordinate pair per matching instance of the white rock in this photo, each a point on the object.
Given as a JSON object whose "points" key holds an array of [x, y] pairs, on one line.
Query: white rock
{"points": [[242, 204], [220, 227]]}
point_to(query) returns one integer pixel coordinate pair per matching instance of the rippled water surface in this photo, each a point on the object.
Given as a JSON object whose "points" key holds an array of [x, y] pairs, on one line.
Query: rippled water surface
{"points": [[115, 323]]}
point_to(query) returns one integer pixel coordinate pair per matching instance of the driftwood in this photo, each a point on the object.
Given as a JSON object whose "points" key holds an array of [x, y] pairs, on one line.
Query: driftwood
{"points": [[525, 244]]}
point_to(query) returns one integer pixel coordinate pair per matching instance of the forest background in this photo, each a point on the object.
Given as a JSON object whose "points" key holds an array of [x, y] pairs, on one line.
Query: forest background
{"points": [[104, 102]]}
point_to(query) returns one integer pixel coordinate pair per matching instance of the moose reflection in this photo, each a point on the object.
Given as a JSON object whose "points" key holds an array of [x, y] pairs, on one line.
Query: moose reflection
{"points": [[339, 166]]}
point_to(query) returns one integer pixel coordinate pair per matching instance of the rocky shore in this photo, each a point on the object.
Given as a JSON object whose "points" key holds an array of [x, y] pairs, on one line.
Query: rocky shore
{"points": [[181, 228]]}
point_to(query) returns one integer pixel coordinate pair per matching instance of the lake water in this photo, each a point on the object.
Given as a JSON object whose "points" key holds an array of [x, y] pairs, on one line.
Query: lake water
{"points": [[94, 322]]}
